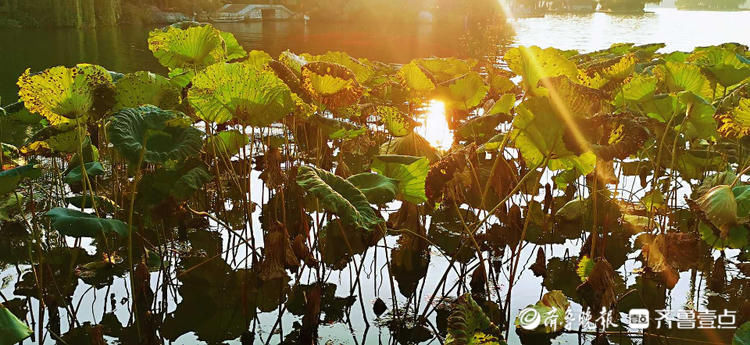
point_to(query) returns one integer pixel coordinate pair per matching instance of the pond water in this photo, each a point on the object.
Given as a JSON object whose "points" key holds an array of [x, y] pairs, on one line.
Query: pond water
{"points": [[124, 49]]}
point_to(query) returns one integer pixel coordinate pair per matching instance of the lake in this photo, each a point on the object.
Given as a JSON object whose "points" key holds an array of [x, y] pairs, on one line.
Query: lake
{"points": [[124, 49]]}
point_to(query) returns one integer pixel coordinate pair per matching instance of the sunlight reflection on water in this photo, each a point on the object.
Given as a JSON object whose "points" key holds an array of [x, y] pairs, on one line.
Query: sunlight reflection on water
{"points": [[434, 126]]}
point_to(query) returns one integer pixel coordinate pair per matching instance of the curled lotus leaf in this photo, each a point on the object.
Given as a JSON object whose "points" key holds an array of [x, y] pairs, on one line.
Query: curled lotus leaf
{"points": [[153, 135], [338, 196], [62, 138], [193, 47], [409, 171], [723, 65], [238, 91], [142, 88], [61, 93], [10, 178], [411, 144], [468, 323], [720, 206], [331, 84], [363, 72], [552, 305], [258, 59], [736, 123]]}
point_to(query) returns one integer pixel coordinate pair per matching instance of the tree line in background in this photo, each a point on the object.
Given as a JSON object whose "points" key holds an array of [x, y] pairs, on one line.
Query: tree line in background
{"points": [[94, 13]]}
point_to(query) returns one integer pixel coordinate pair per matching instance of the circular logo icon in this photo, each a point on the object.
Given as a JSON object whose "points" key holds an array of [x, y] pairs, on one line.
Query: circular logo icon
{"points": [[529, 319]]}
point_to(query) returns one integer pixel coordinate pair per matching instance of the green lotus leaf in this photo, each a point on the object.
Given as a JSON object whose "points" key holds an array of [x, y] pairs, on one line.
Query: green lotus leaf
{"points": [[719, 205], [637, 89], [445, 69], [293, 61], [662, 107], [552, 305], [12, 330], [681, 77], [502, 105], [700, 122], [534, 63], [335, 128], [142, 88], [62, 138], [223, 92], [742, 196], [78, 224], [396, 122], [61, 94], [585, 266], [722, 65], [258, 59], [571, 99], [330, 84], [10, 178], [18, 126], [415, 78], [736, 237], [742, 335], [233, 48], [538, 133], [179, 183], [501, 83], [481, 128], [411, 173], [466, 92], [338, 196], [76, 174], [467, 321], [154, 134], [10, 204], [411, 144], [378, 189], [228, 143], [192, 48], [362, 72], [181, 77]]}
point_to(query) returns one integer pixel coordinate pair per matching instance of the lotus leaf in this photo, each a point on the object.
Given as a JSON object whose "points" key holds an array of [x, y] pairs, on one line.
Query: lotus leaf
{"points": [[377, 188], [338, 196], [12, 330], [10, 178], [411, 173], [76, 174], [330, 84], [415, 78], [258, 59], [396, 122], [61, 94], [142, 88], [742, 335], [228, 143], [153, 135], [681, 77], [534, 63], [723, 65], [720, 206], [61, 138], [223, 92], [362, 71], [78, 224], [194, 47], [466, 320], [466, 92], [179, 183], [538, 134], [411, 144], [551, 313], [737, 122]]}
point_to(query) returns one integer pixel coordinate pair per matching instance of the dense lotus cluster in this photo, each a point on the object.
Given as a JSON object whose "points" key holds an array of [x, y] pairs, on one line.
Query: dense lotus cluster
{"points": [[303, 165]]}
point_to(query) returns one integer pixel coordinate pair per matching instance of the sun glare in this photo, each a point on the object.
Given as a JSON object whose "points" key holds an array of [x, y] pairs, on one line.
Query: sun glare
{"points": [[435, 126]]}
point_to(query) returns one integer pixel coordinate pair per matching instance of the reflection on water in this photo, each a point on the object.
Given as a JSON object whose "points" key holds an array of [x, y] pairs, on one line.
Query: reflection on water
{"points": [[434, 126], [125, 49]]}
